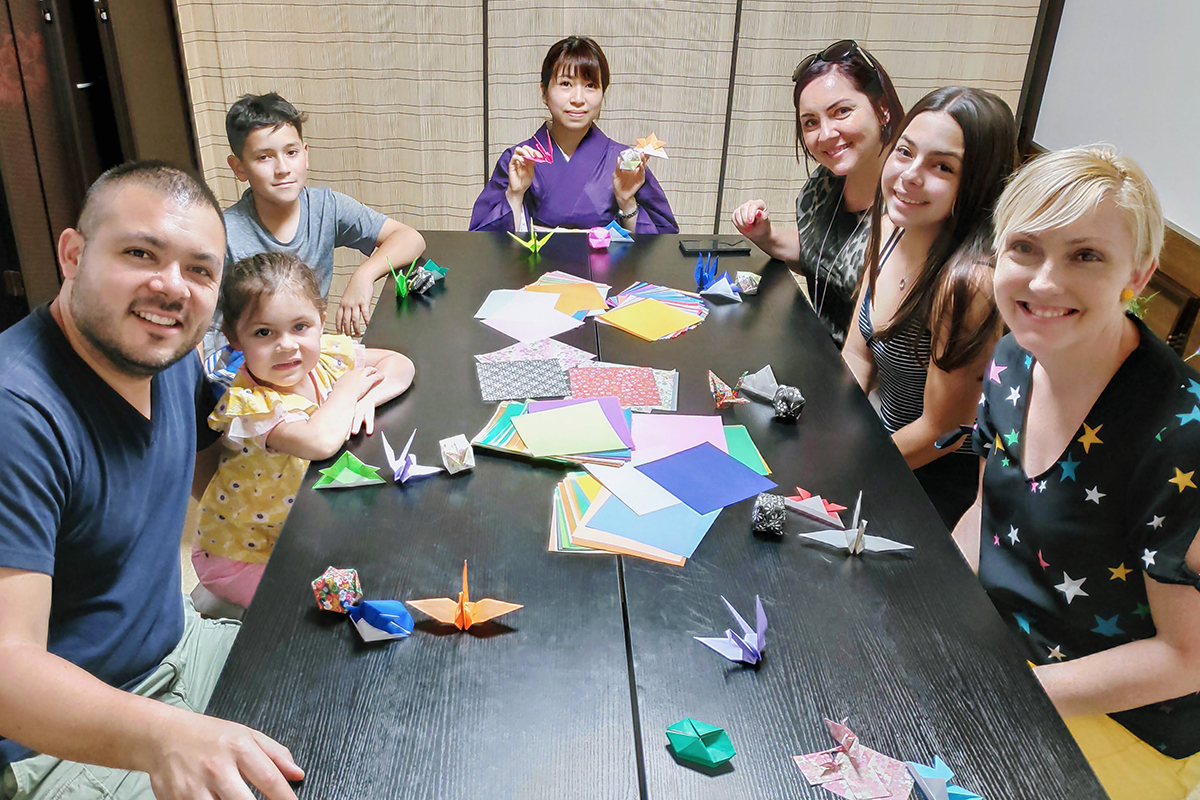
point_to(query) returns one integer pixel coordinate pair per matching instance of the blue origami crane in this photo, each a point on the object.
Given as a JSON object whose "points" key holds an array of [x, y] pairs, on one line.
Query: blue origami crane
{"points": [[749, 646], [377, 620], [934, 781], [706, 269]]}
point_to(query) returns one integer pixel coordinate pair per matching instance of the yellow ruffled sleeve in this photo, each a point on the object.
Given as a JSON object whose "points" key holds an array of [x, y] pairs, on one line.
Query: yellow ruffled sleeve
{"points": [[249, 412]]}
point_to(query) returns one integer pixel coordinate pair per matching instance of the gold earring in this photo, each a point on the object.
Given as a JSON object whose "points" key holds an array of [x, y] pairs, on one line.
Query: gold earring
{"points": [[1126, 295]]}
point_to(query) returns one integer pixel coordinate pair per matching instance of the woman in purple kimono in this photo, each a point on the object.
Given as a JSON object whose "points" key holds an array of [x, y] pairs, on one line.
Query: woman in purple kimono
{"points": [[578, 181]]}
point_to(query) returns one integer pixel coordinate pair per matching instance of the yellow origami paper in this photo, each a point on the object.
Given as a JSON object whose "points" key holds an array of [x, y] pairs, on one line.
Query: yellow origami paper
{"points": [[463, 613], [572, 297], [651, 319]]}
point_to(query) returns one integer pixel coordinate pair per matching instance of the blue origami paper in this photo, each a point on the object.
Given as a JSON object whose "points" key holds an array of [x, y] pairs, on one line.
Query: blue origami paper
{"points": [[705, 478], [746, 647], [934, 782], [377, 620]]}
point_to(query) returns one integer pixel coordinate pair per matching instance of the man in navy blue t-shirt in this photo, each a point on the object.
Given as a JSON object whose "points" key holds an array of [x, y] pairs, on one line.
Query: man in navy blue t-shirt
{"points": [[102, 396]]}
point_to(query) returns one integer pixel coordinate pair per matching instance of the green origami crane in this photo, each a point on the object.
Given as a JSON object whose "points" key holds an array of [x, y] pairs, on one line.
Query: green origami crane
{"points": [[532, 244], [416, 279], [700, 743], [348, 472]]}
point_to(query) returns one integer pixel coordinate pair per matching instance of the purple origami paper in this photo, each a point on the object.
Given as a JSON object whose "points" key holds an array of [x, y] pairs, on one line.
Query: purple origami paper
{"points": [[747, 647]]}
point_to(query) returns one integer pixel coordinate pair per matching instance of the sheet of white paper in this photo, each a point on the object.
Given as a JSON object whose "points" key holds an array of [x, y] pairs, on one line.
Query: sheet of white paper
{"points": [[657, 436], [632, 488], [529, 316], [495, 301]]}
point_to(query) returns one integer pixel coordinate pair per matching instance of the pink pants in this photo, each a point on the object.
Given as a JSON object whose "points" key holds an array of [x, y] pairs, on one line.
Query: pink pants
{"points": [[230, 580]]}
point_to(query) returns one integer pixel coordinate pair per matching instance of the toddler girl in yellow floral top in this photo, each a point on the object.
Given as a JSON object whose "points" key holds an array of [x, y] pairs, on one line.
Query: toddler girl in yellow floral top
{"points": [[298, 397]]}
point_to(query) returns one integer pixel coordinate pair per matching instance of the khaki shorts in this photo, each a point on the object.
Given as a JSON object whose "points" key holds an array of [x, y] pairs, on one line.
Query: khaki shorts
{"points": [[184, 679]]}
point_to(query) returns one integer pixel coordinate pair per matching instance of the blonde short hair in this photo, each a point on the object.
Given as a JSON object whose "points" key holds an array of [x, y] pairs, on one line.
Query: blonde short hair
{"points": [[1056, 189]]}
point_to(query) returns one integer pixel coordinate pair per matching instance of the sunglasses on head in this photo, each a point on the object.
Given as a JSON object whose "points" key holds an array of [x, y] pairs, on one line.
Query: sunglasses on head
{"points": [[836, 52]]}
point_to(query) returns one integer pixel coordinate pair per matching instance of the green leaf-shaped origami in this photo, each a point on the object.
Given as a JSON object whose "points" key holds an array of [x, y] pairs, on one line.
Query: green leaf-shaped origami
{"points": [[348, 472], [700, 743]]}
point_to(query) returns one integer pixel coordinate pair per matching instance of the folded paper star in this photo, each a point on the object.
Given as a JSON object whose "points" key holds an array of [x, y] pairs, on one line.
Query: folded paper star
{"points": [[533, 244], [934, 781], [746, 647], [463, 613], [544, 153], [599, 238], [815, 507], [337, 589], [723, 394], [457, 455], [379, 620], [405, 465], [854, 538], [652, 146], [347, 473], [700, 743], [854, 771]]}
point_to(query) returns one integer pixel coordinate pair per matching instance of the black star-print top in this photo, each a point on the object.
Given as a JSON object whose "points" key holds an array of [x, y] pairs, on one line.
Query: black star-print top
{"points": [[1062, 553]]}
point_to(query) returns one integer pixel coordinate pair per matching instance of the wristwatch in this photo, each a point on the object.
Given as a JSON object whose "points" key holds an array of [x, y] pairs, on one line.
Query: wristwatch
{"points": [[622, 217]]}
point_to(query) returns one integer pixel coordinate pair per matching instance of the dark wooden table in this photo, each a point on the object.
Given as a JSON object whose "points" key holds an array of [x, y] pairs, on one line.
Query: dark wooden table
{"points": [[570, 696]]}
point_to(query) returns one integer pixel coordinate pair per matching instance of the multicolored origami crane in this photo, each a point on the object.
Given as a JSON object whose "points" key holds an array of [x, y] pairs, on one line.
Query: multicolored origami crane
{"points": [[854, 538], [934, 781], [723, 394], [652, 146], [815, 507], [379, 620], [533, 244], [347, 473], [337, 589], [405, 465], [463, 613], [543, 155], [700, 743], [746, 647], [854, 771]]}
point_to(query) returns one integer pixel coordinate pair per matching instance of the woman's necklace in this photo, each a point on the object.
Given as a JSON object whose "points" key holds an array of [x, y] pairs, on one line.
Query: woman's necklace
{"points": [[822, 290]]}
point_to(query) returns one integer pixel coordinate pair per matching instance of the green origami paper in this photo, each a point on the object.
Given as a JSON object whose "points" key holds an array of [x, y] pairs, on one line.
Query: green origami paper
{"points": [[348, 472], [700, 743], [532, 244]]}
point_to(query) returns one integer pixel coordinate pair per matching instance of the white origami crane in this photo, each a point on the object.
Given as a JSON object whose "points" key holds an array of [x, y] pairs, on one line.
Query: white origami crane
{"points": [[749, 646], [854, 538], [406, 466]]}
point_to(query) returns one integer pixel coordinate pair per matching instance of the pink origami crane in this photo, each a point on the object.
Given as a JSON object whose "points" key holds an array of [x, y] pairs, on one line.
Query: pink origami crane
{"points": [[854, 771], [544, 155]]}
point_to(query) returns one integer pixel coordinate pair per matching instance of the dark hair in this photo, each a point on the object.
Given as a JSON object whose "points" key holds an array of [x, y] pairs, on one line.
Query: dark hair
{"points": [[873, 81], [254, 111], [989, 157], [576, 55], [185, 189], [250, 279]]}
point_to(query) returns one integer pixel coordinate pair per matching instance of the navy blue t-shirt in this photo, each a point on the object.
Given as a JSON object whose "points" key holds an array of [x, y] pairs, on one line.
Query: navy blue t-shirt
{"points": [[94, 494]]}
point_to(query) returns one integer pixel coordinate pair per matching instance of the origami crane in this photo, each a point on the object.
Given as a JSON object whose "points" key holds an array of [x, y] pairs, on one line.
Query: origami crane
{"points": [[463, 613], [348, 472], [617, 233], [700, 743], [934, 781], [854, 771], [457, 454], [533, 243], [405, 466], [706, 269], [652, 146], [416, 280], [544, 155], [748, 647], [723, 394], [815, 507], [599, 238], [854, 538], [378, 620], [722, 287]]}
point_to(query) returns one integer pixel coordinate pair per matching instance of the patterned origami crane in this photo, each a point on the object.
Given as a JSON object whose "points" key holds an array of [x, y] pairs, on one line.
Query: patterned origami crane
{"points": [[463, 613], [854, 771], [747, 647], [723, 394]]}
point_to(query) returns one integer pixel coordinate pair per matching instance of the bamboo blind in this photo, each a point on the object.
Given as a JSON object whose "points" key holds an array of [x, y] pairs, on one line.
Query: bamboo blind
{"points": [[395, 89]]}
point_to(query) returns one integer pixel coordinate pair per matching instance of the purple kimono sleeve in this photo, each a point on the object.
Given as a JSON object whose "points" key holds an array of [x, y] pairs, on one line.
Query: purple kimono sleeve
{"points": [[492, 211], [654, 212]]}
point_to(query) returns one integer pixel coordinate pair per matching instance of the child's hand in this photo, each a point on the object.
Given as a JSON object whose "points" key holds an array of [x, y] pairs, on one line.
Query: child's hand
{"points": [[354, 309], [357, 382], [753, 220], [364, 417]]}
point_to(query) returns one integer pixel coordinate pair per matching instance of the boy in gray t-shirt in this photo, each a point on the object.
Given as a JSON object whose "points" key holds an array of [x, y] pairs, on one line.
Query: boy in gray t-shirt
{"points": [[278, 213]]}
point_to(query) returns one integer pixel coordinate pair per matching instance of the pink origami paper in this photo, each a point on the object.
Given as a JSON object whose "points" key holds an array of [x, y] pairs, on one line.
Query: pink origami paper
{"points": [[599, 238], [634, 386], [854, 771]]}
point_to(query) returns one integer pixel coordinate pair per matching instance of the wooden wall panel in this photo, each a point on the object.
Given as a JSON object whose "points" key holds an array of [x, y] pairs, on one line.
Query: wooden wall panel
{"points": [[670, 75], [923, 45]]}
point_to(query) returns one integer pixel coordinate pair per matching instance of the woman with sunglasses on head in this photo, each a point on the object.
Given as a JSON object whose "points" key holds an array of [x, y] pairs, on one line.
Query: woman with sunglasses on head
{"points": [[846, 114], [926, 322], [569, 174], [1084, 532]]}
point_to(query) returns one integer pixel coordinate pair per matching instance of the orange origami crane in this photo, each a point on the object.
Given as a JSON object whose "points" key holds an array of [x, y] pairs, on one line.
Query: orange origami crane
{"points": [[463, 613]]}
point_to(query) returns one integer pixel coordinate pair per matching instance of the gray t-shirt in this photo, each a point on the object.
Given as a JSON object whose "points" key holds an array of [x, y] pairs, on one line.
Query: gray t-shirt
{"points": [[328, 219]]}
